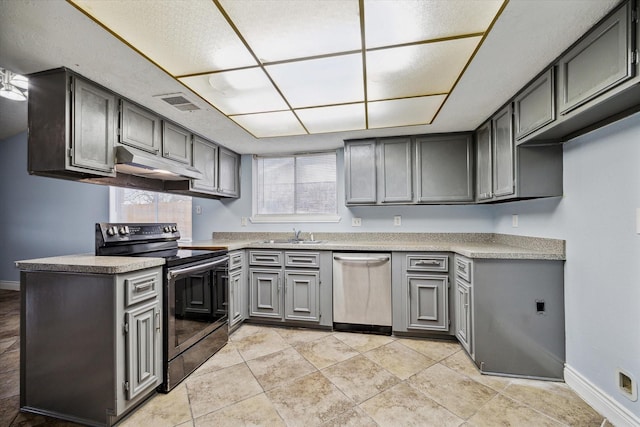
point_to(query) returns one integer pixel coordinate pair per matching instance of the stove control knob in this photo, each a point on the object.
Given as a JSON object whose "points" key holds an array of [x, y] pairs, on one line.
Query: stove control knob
{"points": [[166, 229], [111, 231], [126, 229], [174, 229], [122, 231]]}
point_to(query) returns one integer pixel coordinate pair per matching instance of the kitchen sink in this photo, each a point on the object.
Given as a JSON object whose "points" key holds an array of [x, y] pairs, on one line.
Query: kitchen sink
{"points": [[293, 241]]}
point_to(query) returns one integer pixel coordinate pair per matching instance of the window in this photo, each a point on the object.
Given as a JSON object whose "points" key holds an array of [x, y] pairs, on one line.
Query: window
{"points": [[295, 188], [130, 205]]}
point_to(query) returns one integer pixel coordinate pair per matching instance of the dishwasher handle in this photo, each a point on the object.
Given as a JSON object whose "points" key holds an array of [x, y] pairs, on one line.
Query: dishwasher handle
{"points": [[361, 258]]}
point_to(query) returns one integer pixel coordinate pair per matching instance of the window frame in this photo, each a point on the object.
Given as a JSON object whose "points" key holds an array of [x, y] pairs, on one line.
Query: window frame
{"points": [[257, 218]]}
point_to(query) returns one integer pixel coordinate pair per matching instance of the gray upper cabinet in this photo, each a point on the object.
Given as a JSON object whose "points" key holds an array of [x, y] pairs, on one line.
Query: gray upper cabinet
{"points": [[444, 166], [205, 159], [176, 143], [596, 64], [395, 170], [94, 128], [360, 172], [228, 173], [484, 162], [503, 153], [139, 128], [534, 107]]}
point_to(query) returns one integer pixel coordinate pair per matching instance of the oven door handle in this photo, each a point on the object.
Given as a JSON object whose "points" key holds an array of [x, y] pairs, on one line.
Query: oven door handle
{"points": [[177, 272]]}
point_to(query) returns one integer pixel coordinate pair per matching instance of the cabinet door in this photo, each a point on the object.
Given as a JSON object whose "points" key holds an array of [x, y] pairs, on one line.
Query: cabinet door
{"points": [[444, 169], [205, 159], [176, 143], [302, 294], [464, 323], [229, 173], [599, 62], [235, 296], [484, 162], [265, 288], [143, 348], [139, 128], [503, 153], [94, 128], [395, 171], [428, 302], [360, 171], [535, 106]]}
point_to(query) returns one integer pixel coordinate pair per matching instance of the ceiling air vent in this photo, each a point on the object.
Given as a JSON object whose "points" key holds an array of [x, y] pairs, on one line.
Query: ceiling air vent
{"points": [[179, 101]]}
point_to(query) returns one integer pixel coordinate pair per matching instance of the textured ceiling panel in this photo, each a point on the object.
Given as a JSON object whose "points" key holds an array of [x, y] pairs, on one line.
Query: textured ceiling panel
{"points": [[390, 22], [423, 69], [183, 37], [333, 119], [237, 92], [265, 125], [404, 112], [325, 81], [279, 30]]}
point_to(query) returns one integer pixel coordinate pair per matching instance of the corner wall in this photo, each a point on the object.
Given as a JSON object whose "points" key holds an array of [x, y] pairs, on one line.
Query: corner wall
{"points": [[42, 217], [597, 218]]}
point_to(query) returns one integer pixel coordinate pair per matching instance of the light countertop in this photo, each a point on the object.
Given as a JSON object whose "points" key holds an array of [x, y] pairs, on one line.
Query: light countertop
{"points": [[86, 263]]}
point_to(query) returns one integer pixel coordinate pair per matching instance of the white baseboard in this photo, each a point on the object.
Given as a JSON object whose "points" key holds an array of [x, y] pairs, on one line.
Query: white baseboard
{"points": [[617, 414], [9, 285]]}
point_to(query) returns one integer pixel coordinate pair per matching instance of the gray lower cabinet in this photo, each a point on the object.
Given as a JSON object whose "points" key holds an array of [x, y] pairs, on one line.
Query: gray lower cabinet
{"points": [[463, 302], [515, 325], [72, 126], [395, 170], [290, 286], [90, 344], [139, 128], [420, 292], [238, 289], [360, 172], [176, 143], [228, 173], [444, 168]]}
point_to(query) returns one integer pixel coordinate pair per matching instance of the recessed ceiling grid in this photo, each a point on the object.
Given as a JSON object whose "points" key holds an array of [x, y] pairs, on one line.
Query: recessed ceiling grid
{"points": [[295, 67]]}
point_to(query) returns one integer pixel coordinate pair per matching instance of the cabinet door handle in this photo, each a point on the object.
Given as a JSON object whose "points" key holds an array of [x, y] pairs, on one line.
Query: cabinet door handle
{"points": [[142, 287], [157, 320], [428, 263]]}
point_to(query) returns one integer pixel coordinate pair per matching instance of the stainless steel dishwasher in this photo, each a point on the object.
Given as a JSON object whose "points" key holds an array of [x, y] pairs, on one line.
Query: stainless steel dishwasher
{"points": [[362, 292]]}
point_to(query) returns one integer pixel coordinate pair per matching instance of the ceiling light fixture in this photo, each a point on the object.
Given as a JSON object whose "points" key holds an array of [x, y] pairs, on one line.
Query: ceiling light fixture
{"points": [[13, 86]]}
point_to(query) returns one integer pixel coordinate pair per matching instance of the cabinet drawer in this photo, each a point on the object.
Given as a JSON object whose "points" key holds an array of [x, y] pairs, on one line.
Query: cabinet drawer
{"points": [[302, 259], [463, 268], [265, 258], [426, 262], [236, 259], [141, 287]]}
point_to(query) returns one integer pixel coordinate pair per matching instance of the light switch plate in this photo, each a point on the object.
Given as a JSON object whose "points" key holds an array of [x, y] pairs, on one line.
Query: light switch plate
{"points": [[243, 221], [356, 222], [514, 221], [198, 210]]}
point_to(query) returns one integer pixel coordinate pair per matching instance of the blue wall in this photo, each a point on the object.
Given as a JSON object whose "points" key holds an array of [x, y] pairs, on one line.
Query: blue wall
{"points": [[42, 217]]}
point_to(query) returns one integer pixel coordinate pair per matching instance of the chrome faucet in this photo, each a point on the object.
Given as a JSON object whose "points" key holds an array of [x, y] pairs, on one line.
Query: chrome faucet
{"points": [[296, 234]]}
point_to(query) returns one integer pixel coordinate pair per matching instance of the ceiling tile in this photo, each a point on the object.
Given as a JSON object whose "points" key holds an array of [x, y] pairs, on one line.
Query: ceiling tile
{"points": [[238, 92], [424, 69], [182, 37], [407, 21], [404, 112], [289, 29], [317, 82], [264, 125], [333, 119]]}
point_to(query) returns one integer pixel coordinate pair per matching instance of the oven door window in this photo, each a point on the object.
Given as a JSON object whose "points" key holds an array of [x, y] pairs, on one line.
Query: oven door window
{"points": [[200, 300]]}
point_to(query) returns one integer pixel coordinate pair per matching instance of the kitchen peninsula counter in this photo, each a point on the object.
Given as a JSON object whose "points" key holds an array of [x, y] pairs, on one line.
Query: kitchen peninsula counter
{"points": [[472, 245], [91, 264]]}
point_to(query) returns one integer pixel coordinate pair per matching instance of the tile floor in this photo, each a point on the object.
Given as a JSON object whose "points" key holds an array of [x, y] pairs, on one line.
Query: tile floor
{"points": [[293, 377]]}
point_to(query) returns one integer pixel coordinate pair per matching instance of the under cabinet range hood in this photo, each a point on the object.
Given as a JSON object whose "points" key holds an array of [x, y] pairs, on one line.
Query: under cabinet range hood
{"points": [[135, 162]]}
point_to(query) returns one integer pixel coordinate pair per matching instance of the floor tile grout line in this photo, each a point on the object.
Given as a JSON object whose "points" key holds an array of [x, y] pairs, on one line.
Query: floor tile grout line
{"points": [[533, 409]]}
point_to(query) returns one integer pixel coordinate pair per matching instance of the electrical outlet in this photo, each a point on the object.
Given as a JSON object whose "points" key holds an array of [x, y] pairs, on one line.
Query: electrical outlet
{"points": [[198, 210], [243, 221], [356, 222], [397, 221], [514, 221]]}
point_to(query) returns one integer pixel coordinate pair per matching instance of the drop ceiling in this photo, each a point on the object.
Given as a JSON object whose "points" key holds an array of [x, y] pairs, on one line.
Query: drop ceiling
{"points": [[383, 67]]}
